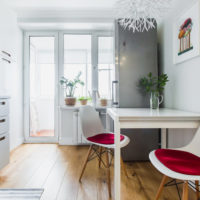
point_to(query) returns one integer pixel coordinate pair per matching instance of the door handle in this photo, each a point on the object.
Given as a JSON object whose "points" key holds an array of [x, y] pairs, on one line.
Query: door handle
{"points": [[2, 138], [2, 103], [113, 100]]}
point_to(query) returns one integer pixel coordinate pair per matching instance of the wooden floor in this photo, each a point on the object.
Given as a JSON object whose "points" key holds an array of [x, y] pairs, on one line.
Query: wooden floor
{"points": [[56, 169]]}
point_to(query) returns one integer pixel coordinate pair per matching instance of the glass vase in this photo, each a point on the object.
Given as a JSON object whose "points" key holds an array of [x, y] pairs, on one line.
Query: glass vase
{"points": [[155, 100]]}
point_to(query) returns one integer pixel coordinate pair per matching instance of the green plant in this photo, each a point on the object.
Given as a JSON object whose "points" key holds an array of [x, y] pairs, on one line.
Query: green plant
{"points": [[85, 98], [154, 84], [71, 85]]}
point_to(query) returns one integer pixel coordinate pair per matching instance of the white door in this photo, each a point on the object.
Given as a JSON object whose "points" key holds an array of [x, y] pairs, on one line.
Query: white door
{"points": [[40, 86]]}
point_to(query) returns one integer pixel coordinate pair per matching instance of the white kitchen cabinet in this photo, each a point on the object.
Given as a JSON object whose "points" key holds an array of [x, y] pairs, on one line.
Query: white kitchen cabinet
{"points": [[77, 134], [8, 36], [11, 74], [4, 131]]}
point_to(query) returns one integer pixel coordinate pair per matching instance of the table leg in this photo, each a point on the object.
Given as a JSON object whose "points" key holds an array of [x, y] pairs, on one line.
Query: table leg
{"points": [[164, 138], [117, 174], [108, 122]]}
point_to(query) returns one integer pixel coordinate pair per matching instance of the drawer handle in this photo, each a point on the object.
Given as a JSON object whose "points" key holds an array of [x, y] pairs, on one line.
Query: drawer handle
{"points": [[4, 52], [2, 138], [2, 103], [2, 120], [6, 60]]}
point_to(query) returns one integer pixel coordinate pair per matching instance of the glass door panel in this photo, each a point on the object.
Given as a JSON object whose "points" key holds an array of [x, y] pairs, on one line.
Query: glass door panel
{"points": [[42, 86], [77, 59], [105, 66]]}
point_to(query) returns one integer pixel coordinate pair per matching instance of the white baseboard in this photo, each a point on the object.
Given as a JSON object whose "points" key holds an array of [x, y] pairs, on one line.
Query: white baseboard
{"points": [[66, 141], [69, 141], [14, 144]]}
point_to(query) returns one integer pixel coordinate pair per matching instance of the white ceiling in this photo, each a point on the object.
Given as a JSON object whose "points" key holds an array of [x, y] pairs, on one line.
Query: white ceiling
{"points": [[67, 26], [62, 4], [63, 14]]}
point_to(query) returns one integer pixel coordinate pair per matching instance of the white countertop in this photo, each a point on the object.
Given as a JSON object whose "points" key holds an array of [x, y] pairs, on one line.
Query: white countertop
{"points": [[149, 113]]}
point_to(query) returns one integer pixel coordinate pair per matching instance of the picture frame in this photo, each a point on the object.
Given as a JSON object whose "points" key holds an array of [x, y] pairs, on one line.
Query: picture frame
{"points": [[186, 38]]}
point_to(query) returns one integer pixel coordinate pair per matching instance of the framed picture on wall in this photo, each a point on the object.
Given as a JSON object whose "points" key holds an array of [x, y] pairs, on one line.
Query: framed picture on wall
{"points": [[187, 34]]}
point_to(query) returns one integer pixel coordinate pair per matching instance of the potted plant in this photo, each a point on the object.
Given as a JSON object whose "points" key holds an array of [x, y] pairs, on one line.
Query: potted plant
{"points": [[103, 101], [154, 86], [70, 86], [84, 100]]}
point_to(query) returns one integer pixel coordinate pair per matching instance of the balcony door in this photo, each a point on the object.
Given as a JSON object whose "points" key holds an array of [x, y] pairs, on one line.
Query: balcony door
{"points": [[41, 69], [46, 61]]}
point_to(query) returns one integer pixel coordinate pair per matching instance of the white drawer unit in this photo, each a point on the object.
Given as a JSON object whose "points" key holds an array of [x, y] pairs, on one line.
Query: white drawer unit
{"points": [[4, 131], [4, 150], [4, 107], [4, 125]]}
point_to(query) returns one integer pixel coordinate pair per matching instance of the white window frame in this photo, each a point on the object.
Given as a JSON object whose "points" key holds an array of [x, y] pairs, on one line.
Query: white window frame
{"points": [[28, 138], [108, 35], [59, 72], [94, 57]]}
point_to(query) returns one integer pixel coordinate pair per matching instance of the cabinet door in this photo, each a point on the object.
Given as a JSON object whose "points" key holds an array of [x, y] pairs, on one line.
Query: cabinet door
{"points": [[2, 75], [4, 124], [8, 73], [4, 150], [75, 128], [81, 139], [4, 107]]}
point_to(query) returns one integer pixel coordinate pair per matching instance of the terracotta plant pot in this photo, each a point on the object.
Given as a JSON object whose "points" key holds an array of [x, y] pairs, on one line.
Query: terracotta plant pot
{"points": [[83, 102], [70, 101], [103, 102]]}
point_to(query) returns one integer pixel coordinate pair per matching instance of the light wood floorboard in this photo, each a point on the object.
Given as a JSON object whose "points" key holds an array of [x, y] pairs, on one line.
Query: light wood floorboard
{"points": [[57, 169]]}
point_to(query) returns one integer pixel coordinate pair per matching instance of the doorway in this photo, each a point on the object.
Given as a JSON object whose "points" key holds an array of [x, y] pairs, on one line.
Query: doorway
{"points": [[40, 88], [48, 56]]}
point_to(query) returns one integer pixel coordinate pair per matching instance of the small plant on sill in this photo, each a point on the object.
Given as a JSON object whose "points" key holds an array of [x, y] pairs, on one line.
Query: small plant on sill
{"points": [[70, 87], [84, 100], [103, 101]]}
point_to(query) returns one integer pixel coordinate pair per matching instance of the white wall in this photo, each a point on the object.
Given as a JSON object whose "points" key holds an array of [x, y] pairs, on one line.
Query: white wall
{"points": [[182, 91], [11, 38]]}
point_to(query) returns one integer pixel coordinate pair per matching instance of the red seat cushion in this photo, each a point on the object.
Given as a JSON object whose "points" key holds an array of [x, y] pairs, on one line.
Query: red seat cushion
{"points": [[104, 138], [179, 161]]}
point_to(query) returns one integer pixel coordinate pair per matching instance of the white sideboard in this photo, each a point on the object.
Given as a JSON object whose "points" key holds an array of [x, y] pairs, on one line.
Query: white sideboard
{"points": [[4, 131], [70, 132]]}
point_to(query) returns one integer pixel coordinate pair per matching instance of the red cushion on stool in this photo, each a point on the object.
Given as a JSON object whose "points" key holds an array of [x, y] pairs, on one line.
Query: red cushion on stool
{"points": [[104, 138], [179, 161]]}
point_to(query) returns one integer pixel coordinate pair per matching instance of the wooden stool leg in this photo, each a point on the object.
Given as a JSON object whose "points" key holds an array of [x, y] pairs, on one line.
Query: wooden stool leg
{"points": [[108, 174], [197, 189], [164, 179], [100, 151], [124, 167], [85, 163], [185, 191]]}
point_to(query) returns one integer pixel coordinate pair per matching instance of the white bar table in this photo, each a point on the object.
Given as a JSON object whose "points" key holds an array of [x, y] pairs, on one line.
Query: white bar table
{"points": [[126, 118]]}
